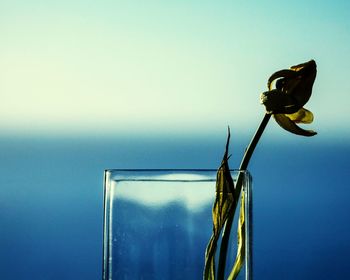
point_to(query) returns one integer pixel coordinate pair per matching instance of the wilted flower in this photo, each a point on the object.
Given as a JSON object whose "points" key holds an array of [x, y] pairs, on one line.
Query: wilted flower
{"points": [[293, 88]]}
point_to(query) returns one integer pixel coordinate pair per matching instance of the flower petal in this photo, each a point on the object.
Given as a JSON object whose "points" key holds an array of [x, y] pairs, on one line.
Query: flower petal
{"points": [[306, 77], [302, 116], [285, 73], [310, 64], [297, 81], [290, 126]]}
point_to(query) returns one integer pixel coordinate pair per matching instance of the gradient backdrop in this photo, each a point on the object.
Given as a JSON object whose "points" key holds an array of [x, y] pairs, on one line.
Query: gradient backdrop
{"points": [[90, 85]]}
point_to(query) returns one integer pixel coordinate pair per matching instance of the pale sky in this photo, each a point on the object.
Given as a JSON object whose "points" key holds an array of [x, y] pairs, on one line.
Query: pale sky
{"points": [[109, 66]]}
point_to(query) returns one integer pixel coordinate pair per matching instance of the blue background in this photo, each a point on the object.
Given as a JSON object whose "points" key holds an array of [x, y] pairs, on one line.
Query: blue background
{"points": [[51, 200]]}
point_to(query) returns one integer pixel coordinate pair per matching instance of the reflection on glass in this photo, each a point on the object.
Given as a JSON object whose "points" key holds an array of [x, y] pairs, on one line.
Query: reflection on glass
{"points": [[157, 223]]}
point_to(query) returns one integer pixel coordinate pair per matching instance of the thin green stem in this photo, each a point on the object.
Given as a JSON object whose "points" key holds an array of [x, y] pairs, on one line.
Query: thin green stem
{"points": [[244, 164]]}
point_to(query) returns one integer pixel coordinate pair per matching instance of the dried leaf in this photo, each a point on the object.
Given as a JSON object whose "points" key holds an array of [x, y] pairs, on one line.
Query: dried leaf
{"points": [[222, 206], [240, 242]]}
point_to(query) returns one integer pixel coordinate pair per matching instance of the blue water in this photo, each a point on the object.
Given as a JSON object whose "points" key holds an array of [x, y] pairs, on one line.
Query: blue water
{"points": [[51, 201]]}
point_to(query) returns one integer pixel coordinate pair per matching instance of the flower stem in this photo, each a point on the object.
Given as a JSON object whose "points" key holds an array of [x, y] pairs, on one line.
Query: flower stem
{"points": [[244, 164]]}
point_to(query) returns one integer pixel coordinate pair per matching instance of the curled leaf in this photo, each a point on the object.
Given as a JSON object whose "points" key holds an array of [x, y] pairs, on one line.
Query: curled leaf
{"points": [[222, 206], [291, 126]]}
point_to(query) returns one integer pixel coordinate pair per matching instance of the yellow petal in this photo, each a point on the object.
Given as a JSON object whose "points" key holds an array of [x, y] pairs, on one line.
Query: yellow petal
{"points": [[287, 124], [302, 116]]}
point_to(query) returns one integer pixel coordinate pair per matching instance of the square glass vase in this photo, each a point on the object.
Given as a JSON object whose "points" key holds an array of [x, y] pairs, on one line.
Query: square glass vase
{"points": [[157, 224]]}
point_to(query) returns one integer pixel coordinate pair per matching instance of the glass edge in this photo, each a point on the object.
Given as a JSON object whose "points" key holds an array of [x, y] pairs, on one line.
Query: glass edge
{"points": [[111, 170], [122, 174], [106, 198]]}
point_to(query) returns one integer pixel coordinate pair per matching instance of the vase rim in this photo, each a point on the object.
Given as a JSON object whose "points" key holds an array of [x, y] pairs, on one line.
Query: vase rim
{"points": [[169, 169]]}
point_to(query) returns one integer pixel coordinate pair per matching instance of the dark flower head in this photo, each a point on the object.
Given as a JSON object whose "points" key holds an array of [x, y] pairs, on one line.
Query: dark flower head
{"points": [[293, 88]]}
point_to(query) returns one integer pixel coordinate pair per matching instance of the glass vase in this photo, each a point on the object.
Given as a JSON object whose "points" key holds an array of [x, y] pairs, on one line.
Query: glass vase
{"points": [[157, 224]]}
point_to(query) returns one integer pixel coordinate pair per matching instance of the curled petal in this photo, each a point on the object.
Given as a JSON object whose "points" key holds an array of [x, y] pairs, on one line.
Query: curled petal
{"points": [[303, 90], [290, 126], [302, 116], [286, 73], [306, 76], [297, 81]]}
